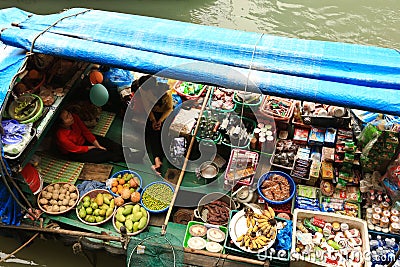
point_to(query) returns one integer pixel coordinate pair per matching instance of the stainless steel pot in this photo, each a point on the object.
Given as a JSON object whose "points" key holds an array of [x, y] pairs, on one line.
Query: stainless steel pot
{"points": [[200, 212]]}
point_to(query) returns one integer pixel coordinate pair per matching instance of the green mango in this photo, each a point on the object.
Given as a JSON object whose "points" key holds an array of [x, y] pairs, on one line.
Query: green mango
{"points": [[94, 205], [99, 219], [86, 199], [129, 217], [82, 213], [89, 210], [120, 218], [104, 207], [112, 204], [109, 212], [135, 227], [120, 210], [106, 199], [129, 225], [119, 225], [96, 212], [102, 212], [86, 204], [99, 199], [136, 208], [143, 211], [136, 216], [91, 219], [127, 209], [142, 223]]}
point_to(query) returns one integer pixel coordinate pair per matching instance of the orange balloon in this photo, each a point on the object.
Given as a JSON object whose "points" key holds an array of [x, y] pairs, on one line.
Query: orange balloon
{"points": [[95, 77]]}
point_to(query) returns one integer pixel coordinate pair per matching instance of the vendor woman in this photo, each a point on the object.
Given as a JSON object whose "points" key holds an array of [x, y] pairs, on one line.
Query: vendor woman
{"points": [[76, 141]]}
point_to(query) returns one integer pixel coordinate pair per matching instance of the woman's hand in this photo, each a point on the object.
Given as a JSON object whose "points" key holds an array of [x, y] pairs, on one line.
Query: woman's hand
{"points": [[156, 125], [97, 145]]}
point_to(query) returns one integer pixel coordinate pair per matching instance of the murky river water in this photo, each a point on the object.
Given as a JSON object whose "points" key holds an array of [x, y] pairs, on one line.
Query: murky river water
{"points": [[368, 22]]}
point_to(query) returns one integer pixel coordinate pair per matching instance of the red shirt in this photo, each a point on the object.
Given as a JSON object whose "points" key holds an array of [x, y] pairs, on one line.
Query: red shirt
{"points": [[72, 140]]}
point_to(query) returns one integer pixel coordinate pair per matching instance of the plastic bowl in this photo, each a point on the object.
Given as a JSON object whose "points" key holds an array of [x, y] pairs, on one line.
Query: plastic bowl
{"points": [[34, 114], [144, 191], [115, 175], [134, 233], [93, 194], [266, 176]]}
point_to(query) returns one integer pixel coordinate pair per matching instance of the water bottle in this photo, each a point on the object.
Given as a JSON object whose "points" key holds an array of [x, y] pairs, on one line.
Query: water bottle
{"points": [[374, 244]]}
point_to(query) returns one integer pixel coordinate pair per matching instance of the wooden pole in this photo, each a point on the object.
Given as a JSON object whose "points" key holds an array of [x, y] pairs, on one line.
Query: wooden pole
{"points": [[178, 183], [62, 231]]}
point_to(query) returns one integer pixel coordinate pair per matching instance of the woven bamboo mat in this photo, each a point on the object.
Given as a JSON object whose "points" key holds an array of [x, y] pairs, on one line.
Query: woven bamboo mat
{"points": [[53, 170], [105, 121]]}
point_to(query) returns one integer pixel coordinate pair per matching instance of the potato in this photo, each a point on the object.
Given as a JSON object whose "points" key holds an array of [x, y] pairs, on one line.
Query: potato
{"points": [[43, 201], [53, 202], [72, 189], [71, 202], [50, 188], [61, 196], [63, 208], [48, 195], [59, 203], [54, 195], [57, 186], [55, 208], [73, 196], [63, 191], [65, 202]]}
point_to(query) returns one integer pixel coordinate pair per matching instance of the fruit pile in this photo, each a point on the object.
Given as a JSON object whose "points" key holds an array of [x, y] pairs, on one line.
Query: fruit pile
{"points": [[261, 229], [125, 187], [133, 217], [96, 208]]}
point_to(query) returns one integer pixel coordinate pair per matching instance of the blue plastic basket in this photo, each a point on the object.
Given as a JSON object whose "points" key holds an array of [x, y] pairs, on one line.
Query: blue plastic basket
{"points": [[144, 190], [266, 176], [115, 175]]}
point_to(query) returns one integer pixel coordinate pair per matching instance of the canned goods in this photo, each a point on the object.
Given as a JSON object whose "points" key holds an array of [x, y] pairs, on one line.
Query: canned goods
{"points": [[384, 222], [376, 218], [327, 231], [378, 210], [394, 212], [336, 226], [386, 213], [394, 228], [370, 211], [344, 227], [394, 219], [385, 205]]}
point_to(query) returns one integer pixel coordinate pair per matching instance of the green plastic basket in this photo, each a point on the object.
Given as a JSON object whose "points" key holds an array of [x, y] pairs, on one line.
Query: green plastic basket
{"points": [[219, 109], [246, 145], [188, 235]]}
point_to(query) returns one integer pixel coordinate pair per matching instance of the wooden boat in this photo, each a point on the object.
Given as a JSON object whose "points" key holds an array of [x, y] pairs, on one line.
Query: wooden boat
{"points": [[354, 76]]}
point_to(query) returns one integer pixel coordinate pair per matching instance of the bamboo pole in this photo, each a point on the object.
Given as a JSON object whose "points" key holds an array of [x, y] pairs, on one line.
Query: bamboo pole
{"points": [[182, 173]]}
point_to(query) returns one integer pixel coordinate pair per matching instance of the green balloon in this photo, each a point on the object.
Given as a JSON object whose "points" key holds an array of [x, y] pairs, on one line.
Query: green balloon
{"points": [[98, 95]]}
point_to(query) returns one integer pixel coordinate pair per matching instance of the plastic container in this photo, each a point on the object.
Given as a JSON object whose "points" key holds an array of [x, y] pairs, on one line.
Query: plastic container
{"points": [[35, 113], [144, 190], [359, 224], [238, 162], [266, 176], [279, 117], [209, 226], [210, 100], [115, 175], [327, 121], [187, 96], [251, 125]]}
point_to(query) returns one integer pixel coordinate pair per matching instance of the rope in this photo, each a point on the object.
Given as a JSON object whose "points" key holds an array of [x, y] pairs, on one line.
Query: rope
{"points": [[24, 245], [52, 25]]}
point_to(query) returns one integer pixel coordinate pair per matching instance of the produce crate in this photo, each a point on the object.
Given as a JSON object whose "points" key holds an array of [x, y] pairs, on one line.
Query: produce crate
{"points": [[188, 235], [359, 224], [231, 248]]}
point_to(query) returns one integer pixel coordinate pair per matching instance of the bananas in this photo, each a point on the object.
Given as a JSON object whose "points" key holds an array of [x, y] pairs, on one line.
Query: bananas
{"points": [[260, 229]]}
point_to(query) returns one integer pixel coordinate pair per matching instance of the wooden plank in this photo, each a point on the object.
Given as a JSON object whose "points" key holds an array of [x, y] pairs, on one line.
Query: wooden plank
{"points": [[204, 260], [157, 219], [97, 172]]}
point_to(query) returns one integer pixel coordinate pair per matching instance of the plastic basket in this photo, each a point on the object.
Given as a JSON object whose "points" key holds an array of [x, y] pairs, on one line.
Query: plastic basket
{"points": [[187, 96], [266, 176], [191, 223], [327, 121], [279, 117], [243, 180], [359, 224], [219, 109], [251, 125]]}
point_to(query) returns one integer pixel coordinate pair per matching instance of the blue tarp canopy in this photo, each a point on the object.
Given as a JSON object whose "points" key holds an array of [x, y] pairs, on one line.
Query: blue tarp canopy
{"points": [[356, 76], [11, 58]]}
